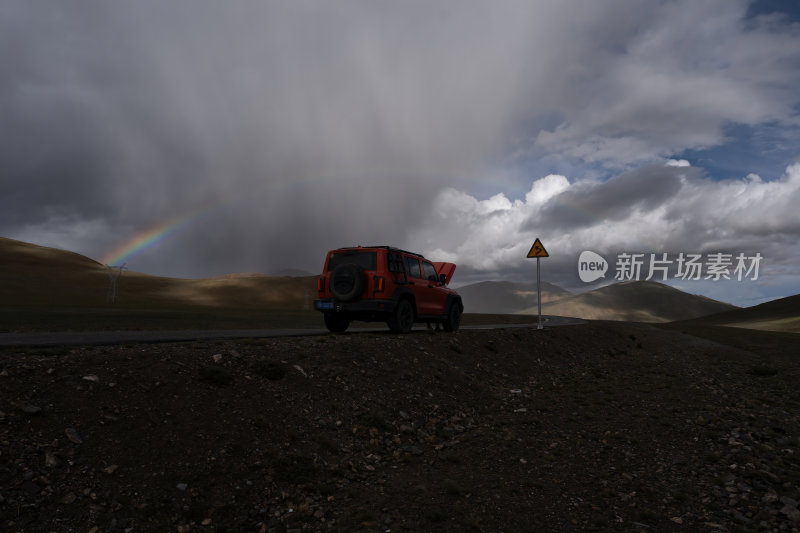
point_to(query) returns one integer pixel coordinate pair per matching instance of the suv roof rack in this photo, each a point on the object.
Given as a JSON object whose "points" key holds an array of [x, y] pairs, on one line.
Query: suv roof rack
{"points": [[384, 247]]}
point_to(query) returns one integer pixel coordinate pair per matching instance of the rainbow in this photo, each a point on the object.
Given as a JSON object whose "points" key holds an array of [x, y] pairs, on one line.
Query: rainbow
{"points": [[151, 237]]}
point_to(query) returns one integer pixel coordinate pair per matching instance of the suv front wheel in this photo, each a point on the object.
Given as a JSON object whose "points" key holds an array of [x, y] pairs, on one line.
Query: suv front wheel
{"points": [[453, 321], [402, 318]]}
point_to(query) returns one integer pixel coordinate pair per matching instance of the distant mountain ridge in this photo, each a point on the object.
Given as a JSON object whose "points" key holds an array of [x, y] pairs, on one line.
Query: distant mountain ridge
{"points": [[638, 301], [506, 297], [293, 272], [635, 301], [236, 275], [782, 314]]}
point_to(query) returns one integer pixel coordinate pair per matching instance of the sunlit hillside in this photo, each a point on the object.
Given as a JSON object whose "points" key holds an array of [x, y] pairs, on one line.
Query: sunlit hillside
{"points": [[777, 315], [639, 301], [37, 276], [506, 296]]}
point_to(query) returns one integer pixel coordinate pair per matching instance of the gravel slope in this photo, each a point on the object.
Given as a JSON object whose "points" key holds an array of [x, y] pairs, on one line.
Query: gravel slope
{"points": [[603, 426]]}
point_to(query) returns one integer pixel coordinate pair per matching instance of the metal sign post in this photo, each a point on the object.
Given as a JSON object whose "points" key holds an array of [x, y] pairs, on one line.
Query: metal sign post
{"points": [[539, 292], [538, 251]]}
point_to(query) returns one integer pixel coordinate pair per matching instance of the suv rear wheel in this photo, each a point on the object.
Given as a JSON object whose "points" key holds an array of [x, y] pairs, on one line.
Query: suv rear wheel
{"points": [[402, 318]]}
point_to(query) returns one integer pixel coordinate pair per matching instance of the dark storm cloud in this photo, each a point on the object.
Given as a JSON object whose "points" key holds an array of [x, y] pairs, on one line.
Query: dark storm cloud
{"points": [[311, 122], [642, 189], [60, 94], [276, 130]]}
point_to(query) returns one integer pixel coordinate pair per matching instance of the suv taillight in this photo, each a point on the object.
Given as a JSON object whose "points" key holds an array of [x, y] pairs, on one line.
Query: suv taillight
{"points": [[380, 284], [321, 284]]}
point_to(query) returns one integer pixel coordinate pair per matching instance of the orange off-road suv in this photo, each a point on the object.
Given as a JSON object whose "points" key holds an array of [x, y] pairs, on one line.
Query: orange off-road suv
{"points": [[385, 284]]}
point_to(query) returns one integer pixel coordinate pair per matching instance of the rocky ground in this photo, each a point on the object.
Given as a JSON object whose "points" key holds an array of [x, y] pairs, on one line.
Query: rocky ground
{"points": [[604, 426]]}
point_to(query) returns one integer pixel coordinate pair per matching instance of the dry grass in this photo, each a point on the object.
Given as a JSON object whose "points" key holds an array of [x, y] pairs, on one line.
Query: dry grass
{"points": [[36, 276]]}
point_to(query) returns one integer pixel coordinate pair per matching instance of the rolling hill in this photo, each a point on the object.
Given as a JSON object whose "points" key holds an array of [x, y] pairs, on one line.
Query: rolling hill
{"points": [[505, 296], [38, 276], [777, 315], [638, 301]]}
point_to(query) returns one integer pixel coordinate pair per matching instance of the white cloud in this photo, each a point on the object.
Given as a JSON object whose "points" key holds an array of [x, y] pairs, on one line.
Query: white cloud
{"points": [[678, 163], [689, 70], [696, 215], [546, 188]]}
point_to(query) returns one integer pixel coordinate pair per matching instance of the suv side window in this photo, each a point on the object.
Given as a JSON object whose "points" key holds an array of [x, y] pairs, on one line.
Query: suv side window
{"points": [[394, 262], [412, 266], [430, 271]]}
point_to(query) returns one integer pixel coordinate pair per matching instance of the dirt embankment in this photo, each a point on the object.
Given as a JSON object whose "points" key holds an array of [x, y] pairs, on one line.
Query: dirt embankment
{"points": [[601, 427]]}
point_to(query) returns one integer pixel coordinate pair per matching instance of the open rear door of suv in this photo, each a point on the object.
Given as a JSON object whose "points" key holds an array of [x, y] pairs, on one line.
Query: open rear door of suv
{"points": [[447, 269]]}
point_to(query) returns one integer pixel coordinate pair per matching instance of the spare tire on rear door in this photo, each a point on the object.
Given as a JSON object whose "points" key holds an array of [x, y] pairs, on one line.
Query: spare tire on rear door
{"points": [[347, 282]]}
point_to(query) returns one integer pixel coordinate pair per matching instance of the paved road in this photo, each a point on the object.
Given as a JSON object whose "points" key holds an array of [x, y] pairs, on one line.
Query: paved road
{"points": [[83, 338]]}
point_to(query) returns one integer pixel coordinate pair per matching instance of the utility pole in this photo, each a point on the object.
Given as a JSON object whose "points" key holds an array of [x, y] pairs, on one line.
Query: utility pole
{"points": [[113, 276]]}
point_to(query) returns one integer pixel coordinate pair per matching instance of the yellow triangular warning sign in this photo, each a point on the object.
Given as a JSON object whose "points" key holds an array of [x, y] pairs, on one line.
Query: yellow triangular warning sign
{"points": [[537, 250]]}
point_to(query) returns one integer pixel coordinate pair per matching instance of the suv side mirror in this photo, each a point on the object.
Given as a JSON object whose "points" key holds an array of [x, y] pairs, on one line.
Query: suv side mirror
{"points": [[442, 279]]}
